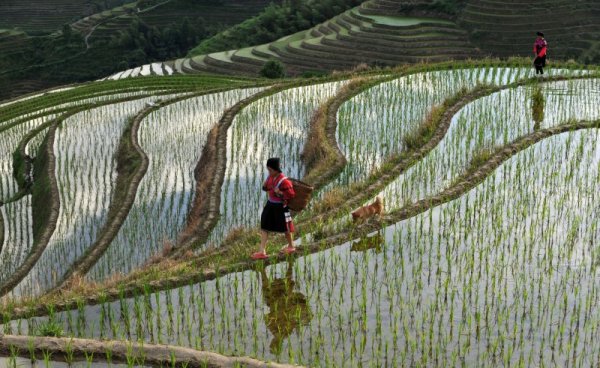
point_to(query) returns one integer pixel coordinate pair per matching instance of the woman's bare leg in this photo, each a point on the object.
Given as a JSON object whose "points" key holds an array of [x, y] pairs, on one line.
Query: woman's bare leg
{"points": [[263, 242], [290, 239]]}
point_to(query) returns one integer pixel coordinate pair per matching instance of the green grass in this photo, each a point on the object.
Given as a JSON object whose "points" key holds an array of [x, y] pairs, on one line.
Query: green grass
{"points": [[265, 49]]}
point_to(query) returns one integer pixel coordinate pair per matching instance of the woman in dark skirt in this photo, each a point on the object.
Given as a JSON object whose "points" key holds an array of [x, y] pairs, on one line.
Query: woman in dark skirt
{"points": [[276, 216], [540, 49]]}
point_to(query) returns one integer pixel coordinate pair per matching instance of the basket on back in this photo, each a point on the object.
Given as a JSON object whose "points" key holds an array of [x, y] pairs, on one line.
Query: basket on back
{"points": [[303, 195]]}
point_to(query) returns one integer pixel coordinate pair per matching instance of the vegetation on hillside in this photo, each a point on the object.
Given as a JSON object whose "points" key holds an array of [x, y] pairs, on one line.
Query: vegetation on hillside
{"points": [[274, 22], [40, 17], [144, 43], [64, 57], [273, 69]]}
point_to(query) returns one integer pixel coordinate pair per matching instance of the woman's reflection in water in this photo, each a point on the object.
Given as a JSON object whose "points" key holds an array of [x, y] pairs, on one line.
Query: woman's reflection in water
{"points": [[288, 309]]}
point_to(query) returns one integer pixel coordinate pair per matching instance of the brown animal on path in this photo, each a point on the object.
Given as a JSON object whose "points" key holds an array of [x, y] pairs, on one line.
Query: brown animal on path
{"points": [[375, 208]]}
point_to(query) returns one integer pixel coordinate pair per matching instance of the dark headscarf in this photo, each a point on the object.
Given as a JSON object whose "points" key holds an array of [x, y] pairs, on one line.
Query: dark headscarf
{"points": [[274, 163]]}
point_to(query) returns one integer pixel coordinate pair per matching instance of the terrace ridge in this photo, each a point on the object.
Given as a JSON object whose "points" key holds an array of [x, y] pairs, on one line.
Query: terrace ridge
{"points": [[122, 351]]}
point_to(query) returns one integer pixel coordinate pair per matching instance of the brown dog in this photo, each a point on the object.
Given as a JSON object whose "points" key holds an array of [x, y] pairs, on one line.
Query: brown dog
{"points": [[375, 208]]}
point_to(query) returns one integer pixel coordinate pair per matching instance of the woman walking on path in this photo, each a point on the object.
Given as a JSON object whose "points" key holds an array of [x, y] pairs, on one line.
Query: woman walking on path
{"points": [[276, 215], [540, 48]]}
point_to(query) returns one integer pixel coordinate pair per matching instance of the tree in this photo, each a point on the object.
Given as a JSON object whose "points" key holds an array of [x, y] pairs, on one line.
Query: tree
{"points": [[137, 57], [273, 69]]}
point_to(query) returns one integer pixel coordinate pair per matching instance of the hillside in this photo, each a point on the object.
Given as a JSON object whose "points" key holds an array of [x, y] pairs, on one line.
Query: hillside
{"points": [[392, 32], [357, 36], [217, 15], [438, 196], [93, 46]]}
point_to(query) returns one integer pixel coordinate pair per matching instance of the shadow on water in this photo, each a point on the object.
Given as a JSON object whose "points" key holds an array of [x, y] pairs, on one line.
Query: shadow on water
{"points": [[288, 309]]}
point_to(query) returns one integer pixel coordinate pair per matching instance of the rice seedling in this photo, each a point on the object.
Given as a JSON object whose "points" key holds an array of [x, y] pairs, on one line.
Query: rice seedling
{"points": [[537, 106], [365, 124], [372, 126], [18, 239]]}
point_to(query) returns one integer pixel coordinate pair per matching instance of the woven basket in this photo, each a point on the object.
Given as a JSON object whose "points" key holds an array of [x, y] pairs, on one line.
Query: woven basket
{"points": [[303, 195]]}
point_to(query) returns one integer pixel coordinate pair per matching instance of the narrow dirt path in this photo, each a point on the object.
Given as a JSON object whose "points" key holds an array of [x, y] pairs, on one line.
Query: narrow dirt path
{"points": [[73, 349]]}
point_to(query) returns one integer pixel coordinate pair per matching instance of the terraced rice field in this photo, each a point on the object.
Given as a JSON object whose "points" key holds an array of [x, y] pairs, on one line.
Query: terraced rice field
{"points": [[505, 29], [165, 13], [352, 38], [387, 32], [130, 208]]}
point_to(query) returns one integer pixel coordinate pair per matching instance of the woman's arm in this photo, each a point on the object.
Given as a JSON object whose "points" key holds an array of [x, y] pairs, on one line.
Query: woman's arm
{"points": [[543, 52]]}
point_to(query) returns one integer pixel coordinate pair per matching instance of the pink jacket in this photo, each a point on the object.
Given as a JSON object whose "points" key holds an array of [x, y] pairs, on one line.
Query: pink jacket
{"points": [[286, 187], [540, 47]]}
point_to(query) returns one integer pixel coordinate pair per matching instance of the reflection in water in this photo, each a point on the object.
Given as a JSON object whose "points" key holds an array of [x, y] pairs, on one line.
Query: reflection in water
{"points": [[369, 242], [288, 309], [537, 107]]}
